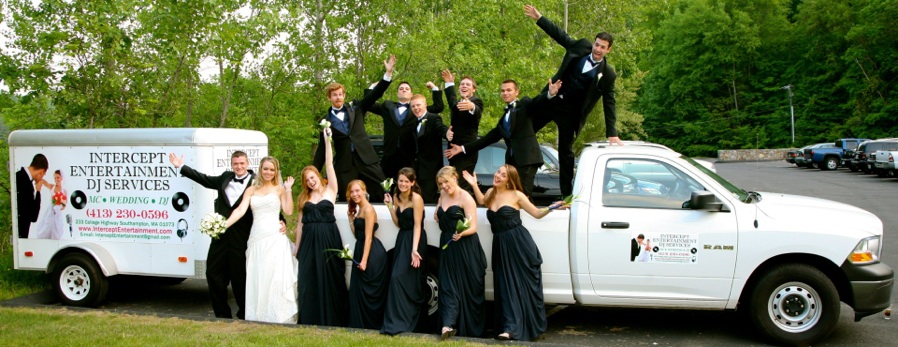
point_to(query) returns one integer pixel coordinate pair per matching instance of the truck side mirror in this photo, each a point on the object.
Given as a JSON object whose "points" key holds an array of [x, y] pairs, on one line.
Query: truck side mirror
{"points": [[705, 200]]}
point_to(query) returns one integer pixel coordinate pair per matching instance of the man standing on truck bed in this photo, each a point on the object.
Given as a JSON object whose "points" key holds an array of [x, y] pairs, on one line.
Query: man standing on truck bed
{"points": [[226, 262], [587, 76]]}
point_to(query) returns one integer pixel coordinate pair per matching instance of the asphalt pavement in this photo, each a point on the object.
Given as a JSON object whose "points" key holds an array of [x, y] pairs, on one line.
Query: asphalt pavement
{"points": [[590, 326]]}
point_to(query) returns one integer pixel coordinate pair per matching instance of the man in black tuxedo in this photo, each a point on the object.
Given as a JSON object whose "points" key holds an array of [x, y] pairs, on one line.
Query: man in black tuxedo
{"points": [[465, 122], [28, 192], [516, 128], [354, 156], [587, 77], [226, 261], [397, 118], [635, 244], [429, 133]]}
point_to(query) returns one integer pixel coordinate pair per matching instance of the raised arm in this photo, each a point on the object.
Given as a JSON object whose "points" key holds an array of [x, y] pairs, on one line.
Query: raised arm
{"points": [[553, 30], [332, 186], [451, 98], [369, 99], [287, 196], [472, 181], [211, 182], [241, 210], [437, 96]]}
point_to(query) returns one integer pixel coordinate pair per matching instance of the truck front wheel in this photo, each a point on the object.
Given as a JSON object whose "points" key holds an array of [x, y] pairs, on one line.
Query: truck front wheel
{"points": [[79, 281], [830, 163], [794, 304]]}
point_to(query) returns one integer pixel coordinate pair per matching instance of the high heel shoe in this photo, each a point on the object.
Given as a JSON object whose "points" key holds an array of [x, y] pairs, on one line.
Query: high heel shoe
{"points": [[447, 333], [504, 337]]}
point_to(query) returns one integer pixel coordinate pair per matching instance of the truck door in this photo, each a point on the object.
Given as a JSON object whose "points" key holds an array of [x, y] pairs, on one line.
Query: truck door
{"points": [[646, 247]]}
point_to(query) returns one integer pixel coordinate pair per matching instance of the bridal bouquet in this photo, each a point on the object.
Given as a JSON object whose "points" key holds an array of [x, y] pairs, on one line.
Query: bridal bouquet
{"points": [[213, 224], [345, 253], [460, 226], [59, 198]]}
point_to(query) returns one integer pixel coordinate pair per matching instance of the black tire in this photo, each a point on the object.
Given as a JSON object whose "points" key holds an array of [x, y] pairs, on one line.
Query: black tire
{"points": [[829, 163], [430, 320], [813, 165], [794, 304], [866, 169], [79, 282], [853, 168]]}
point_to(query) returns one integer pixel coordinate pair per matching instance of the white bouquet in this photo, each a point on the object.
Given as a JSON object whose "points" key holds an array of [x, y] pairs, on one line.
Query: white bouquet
{"points": [[386, 184], [345, 253], [213, 224], [324, 124]]}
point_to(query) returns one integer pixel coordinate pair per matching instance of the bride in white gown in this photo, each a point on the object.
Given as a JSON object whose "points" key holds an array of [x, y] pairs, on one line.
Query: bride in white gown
{"points": [[270, 265]]}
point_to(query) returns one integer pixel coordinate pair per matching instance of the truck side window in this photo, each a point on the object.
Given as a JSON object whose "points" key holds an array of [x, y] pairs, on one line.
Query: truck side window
{"points": [[643, 183]]}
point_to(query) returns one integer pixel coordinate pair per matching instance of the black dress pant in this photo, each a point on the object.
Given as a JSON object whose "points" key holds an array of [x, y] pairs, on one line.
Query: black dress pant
{"points": [[226, 265]]}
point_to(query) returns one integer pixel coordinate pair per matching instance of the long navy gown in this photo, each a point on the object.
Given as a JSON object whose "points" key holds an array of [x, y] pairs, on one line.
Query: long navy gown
{"points": [[406, 296], [367, 289], [462, 273], [517, 277], [322, 285]]}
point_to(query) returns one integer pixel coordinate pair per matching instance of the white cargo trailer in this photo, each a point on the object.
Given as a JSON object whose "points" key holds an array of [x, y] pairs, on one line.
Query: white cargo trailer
{"points": [[110, 203]]}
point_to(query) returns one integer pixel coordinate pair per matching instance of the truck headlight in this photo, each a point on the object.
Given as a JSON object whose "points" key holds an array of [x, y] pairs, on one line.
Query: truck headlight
{"points": [[867, 251]]}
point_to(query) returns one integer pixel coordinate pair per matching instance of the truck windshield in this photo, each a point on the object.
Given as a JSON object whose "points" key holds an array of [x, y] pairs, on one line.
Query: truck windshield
{"points": [[736, 191]]}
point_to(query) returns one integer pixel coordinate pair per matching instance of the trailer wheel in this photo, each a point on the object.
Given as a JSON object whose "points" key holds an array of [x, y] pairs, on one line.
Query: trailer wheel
{"points": [[794, 304], [79, 281]]}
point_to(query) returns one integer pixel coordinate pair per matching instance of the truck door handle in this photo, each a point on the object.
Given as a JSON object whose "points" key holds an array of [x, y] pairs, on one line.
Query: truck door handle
{"points": [[615, 225]]}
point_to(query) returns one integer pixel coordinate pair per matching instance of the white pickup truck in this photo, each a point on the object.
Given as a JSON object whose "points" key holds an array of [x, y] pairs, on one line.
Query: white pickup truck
{"points": [[711, 246], [885, 163]]}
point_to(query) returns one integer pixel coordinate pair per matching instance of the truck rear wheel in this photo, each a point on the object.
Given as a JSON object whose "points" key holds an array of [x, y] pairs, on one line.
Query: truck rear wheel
{"points": [[794, 304], [79, 281]]}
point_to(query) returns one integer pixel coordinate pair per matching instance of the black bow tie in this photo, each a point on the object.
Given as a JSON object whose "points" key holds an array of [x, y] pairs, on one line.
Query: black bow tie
{"points": [[403, 105], [240, 180], [509, 107], [420, 120]]}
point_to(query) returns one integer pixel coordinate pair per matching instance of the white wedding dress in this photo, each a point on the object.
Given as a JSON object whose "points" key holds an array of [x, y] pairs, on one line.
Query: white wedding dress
{"points": [[270, 266]]}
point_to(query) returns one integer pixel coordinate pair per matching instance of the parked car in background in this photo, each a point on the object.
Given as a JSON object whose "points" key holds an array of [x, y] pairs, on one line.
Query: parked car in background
{"points": [[885, 163], [833, 157], [803, 161], [790, 155], [866, 153]]}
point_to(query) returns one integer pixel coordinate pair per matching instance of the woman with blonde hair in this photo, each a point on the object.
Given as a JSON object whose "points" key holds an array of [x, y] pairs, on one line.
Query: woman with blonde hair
{"points": [[367, 286], [516, 261], [462, 261], [270, 267], [405, 297], [322, 285]]}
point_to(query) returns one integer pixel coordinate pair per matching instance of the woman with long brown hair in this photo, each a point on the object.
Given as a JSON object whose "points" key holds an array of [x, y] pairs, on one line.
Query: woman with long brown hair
{"points": [[516, 261], [405, 297], [322, 285]]}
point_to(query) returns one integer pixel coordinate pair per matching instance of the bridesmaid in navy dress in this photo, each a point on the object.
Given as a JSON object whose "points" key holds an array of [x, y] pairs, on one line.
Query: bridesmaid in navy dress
{"points": [[516, 261], [406, 296], [367, 286], [462, 261], [322, 285]]}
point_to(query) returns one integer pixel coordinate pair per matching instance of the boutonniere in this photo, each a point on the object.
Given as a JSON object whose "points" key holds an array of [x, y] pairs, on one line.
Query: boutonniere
{"points": [[423, 121], [599, 77]]}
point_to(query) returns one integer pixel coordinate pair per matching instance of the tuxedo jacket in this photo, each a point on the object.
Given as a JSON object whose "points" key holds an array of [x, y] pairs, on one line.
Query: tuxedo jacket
{"points": [[429, 146], [464, 124], [238, 234], [357, 138], [392, 129], [523, 148], [28, 204], [602, 88]]}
